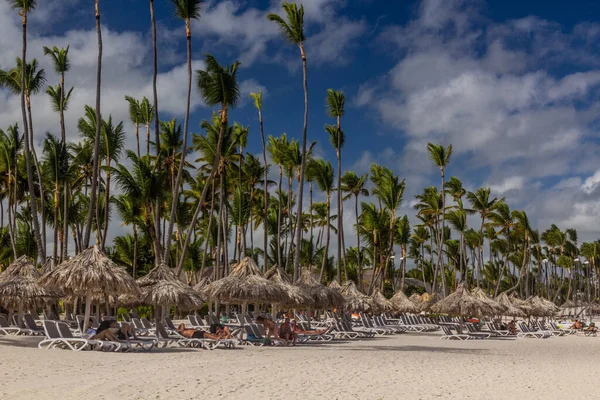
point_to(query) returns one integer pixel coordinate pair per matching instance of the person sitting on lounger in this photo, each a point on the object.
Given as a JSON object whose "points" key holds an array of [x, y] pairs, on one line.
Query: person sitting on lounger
{"points": [[271, 329], [220, 330], [196, 333], [577, 325], [286, 333], [109, 330], [91, 332], [512, 327], [591, 328]]}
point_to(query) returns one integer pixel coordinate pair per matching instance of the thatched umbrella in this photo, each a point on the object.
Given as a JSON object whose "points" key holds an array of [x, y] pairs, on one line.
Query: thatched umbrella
{"points": [[510, 309], [403, 303], [334, 285], [19, 286], [461, 302], [380, 304], [354, 299], [297, 297], [527, 307], [417, 301], [199, 287], [322, 296], [428, 300], [538, 308], [88, 273], [245, 284], [157, 274], [478, 293]]}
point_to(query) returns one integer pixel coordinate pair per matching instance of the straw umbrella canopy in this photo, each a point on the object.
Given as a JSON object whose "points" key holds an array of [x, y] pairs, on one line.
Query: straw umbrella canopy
{"points": [[380, 304], [461, 302], [354, 299], [88, 273], [510, 309], [415, 298], [157, 274], [245, 284], [296, 296], [322, 296], [478, 293], [428, 300], [19, 286], [527, 307], [334, 285], [549, 305], [538, 308], [199, 287], [403, 303]]}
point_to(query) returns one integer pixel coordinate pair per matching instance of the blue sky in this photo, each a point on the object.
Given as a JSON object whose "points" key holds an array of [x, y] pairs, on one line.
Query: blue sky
{"points": [[512, 85]]}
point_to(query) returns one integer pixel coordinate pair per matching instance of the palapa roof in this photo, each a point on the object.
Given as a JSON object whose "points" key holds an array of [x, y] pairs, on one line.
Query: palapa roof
{"points": [[478, 293], [25, 289], [379, 304], [322, 296], [22, 266], [528, 308], [297, 297], [539, 308], [461, 302], [245, 284], [202, 284], [428, 300], [90, 271], [334, 285], [403, 304], [354, 299], [510, 308], [157, 274], [168, 293]]}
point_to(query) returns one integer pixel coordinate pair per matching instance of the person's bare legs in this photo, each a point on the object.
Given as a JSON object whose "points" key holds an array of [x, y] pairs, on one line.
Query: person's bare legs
{"points": [[106, 335], [211, 336]]}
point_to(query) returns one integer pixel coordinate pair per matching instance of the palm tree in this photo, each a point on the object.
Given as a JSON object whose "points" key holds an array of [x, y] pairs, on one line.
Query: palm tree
{"points": [[322, 174], [130, 211], [55, 169], [293, 30], [96, 162], [187, 10], [481, 202], [258, 104], [335, 108], [135, 117], [403, 238], [458, 220], [277, 148], [147, 115], [354, 185], [440, 155], [11, 144], [218, 85]]}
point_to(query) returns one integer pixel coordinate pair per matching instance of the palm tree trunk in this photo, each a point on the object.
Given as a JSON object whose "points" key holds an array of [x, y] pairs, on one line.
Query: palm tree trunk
{"points": [[175, 199], [154, 77], [135, 251], [137, 138], [279, 221], [360, 271], [225, 241], [441, 242], [147, 139], [326, 252], [266, 192], [11, 232], [65, 226], [106, 203], [286, 249], [210, 220], [310, 205], [96, 164], [302, 165], [56, 206]]}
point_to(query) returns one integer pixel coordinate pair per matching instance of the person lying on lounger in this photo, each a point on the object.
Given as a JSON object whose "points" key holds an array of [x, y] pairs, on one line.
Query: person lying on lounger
{"points": [[512, 327], [109, 330], [220, 330], [591, 328], [300, 331], [197, 333]]}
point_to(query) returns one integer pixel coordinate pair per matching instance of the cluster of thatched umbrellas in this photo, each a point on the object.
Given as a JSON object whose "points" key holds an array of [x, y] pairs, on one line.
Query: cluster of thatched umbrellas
{"points": [[94, 276]]}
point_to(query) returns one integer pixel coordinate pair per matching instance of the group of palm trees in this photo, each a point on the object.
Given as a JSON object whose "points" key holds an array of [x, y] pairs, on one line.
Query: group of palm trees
{"points": [[196, 203]]}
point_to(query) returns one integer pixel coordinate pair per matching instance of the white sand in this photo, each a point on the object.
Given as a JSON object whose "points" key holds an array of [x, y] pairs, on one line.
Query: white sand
{"points": [[415, 366]]}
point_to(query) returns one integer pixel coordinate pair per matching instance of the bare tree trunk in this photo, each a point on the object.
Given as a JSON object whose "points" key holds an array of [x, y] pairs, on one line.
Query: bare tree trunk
{"points": [[96, 164], [326, 252], [154, 91]]}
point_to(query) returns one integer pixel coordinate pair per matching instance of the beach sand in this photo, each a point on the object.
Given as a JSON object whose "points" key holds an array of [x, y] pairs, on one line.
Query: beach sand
{"points": [[413, 366]]}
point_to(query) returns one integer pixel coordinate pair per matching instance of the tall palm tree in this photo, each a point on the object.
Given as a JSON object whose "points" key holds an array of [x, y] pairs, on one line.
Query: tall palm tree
{"points": [[147, 116], [130, 211], [135, 117], [322, 174], [277, 148], [481, 203], [403, 239], [458, 220], [440, 156], [11, 144], [354, 185], [258, 104], [61, 63], [218, 85], [96, 161], [186, 10], [293, 30], [335, 108]]}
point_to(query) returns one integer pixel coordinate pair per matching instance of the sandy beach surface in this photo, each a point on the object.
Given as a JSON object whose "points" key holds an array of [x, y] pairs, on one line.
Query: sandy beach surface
{"points": [[414, 366]]}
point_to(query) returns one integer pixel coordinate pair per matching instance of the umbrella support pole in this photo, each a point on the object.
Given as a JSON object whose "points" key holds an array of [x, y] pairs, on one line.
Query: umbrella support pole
{"points": [[88, 307], [21, 307], [158, 314]]}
